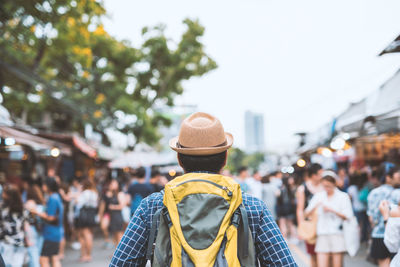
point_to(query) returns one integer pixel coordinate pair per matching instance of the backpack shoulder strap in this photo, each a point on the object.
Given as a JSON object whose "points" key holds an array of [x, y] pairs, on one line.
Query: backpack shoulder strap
{"points": [[244, 250], [152, 237]]}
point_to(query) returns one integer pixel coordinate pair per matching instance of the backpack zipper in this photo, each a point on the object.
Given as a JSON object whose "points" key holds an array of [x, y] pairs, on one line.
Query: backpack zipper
{"points": [[206, 181]]}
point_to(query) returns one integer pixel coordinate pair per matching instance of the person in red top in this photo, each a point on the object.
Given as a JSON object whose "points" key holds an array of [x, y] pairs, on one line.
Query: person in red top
{"points": [[304, 194]]}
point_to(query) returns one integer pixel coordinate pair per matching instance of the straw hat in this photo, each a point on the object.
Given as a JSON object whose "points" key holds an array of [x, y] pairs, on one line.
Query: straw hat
{"points": [[201, 134]]}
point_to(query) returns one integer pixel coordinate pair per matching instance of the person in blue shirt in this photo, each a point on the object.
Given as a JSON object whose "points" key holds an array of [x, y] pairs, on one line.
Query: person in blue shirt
{"points": [[53, 227], [205, 152], [390, 192]]}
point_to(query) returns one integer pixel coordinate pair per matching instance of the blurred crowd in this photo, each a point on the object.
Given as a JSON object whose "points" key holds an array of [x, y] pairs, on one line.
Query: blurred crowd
{"points": [[38, 216], [311, 206], [327, 208]]}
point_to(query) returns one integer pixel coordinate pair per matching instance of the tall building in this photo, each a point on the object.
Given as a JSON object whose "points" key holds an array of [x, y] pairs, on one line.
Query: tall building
{"points": [[254, 132]]}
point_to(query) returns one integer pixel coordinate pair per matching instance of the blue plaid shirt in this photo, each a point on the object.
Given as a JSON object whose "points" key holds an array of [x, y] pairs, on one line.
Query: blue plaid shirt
{"points": [[383, 192], [271, 248]]}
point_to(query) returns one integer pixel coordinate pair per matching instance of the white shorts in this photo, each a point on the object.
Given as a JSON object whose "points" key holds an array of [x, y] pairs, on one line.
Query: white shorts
{"points": [[330, 244]]}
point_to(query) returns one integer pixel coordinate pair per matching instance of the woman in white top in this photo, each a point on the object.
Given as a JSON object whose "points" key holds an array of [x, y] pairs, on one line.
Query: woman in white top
{"points": [[392, 230], [332, 207], [86, 208]]}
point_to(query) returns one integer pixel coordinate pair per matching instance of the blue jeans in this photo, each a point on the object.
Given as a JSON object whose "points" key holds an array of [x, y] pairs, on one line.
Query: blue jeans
{"points": [[36, 248]]}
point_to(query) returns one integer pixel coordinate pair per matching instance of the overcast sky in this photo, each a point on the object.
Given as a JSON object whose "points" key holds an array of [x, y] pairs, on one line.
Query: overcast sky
{"points": [[298, 62]]}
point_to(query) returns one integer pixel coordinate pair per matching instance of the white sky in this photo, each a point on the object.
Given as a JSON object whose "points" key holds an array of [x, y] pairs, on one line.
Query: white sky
{"points": [[298, 62]]}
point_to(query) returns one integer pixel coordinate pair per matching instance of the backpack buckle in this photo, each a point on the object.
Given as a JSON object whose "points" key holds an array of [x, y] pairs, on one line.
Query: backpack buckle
{"points": [[167, 218], [236, 219]]}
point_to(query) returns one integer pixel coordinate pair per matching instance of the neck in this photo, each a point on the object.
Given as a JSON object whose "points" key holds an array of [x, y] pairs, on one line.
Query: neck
{"points": [[314, 181]]}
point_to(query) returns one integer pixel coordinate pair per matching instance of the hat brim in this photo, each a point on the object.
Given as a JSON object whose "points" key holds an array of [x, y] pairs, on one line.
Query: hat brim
{"points": [[201, 151]]}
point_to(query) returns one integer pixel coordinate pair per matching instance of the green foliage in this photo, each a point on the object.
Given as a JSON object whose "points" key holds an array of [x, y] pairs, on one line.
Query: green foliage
{"points": [[58, 59], [238, 158]]}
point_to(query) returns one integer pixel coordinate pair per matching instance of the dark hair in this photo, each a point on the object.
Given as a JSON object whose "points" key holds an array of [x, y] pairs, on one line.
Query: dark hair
{"points": [[140, 172], [155, 173], [314, 169], [274, 173], [242, 169], [87, 184], [34, 193], [52, 184], [389, 173], [266, 179], [330, 179], [210, 163], [13, 199]]}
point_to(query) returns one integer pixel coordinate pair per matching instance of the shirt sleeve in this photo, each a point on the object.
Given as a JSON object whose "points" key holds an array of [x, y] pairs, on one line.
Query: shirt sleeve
{"points": [[51, 207], [347, 208], [131, 250], [271, 248], [313, 203], [372, 205], [392, 235]]}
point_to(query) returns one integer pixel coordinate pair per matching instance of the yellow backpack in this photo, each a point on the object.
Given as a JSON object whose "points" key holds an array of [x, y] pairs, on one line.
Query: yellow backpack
{"points": [[202, 223]]}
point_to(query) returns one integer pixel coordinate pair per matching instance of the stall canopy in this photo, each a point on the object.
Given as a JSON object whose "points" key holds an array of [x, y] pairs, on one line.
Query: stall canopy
{"points": [[84, 147], [379, 113], [74, 140], [137, 159], [381, 108], [393, 47], [33, 141]]}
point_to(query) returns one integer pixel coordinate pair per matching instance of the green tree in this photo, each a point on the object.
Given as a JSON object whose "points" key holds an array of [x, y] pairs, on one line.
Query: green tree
{"points": [[254, 160], [235, 159], [58, 60], [238, 158]]}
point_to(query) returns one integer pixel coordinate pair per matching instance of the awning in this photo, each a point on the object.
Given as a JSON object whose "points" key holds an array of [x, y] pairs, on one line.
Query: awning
{"points": [[81, 144], [393, 47], [142, 159], [72, 140], [33, 141]]}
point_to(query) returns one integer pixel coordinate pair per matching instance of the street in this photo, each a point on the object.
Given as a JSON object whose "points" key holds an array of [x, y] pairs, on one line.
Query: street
{"points": [[102, 257]]}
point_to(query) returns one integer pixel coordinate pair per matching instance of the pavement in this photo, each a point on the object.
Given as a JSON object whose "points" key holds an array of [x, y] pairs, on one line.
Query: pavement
{"points": [[102, 257]]}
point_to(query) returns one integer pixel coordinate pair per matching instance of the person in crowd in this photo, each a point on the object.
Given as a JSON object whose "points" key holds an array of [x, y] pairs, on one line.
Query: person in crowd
{"points": [[343, 181], [86, 211], [53, 224], [358, 192], [115, 202], [204, 153], [276, 179], [13, 228], [255, 186], [63, 192], [139, 190], [243, 175], [286, 209], [375, 178], [104, 215], [304, 194], [391, 218], [333, 207], [269, 195], [26, 182], [36, 200], [74, 191], [2, 183], [387, 191], [157, 181]]}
